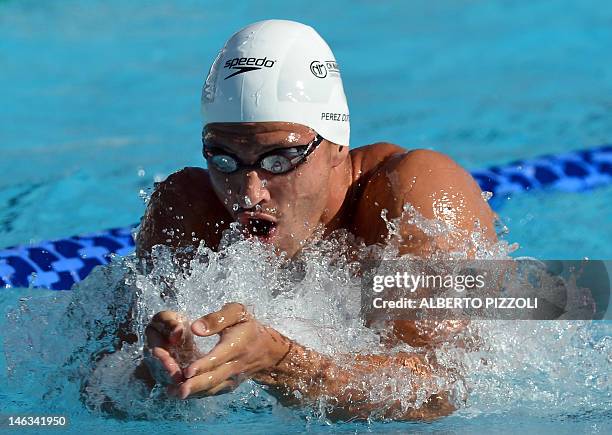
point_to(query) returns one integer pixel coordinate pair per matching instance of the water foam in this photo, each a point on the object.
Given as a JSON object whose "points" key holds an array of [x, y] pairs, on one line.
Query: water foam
{"points": [[490, 367]]}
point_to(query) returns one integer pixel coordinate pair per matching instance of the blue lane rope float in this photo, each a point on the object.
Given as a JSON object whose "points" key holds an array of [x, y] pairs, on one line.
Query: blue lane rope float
{"points": [[574, 171], [58, 264]]}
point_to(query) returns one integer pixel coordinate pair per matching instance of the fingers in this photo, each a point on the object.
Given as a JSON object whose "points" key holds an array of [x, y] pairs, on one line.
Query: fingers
{"points": [[222, 353], [155, 338], [158, 347], [223, 387], [210, 383], [169, 364], [170, 325], [165, 331], [216, 322]]}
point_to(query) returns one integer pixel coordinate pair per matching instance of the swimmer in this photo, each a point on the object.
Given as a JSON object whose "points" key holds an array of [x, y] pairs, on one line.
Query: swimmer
{"points": [[276, 140]]}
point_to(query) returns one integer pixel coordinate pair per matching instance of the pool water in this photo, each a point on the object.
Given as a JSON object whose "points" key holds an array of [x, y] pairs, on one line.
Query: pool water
{"points": [[100, 99]]}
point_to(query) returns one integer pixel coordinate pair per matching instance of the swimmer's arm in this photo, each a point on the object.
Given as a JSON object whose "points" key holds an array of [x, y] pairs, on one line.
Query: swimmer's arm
{"points": [[126, 335], [437, 188], [432, 186], [182, 211], [352, 386], [355, 389]]}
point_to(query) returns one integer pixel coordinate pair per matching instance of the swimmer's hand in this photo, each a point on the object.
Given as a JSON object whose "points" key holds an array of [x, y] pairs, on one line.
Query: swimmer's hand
{"points": [[170, 341], [249, 349], [245, 348]]}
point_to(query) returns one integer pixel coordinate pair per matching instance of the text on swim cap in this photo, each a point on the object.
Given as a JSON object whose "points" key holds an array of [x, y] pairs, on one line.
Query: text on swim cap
{"points": [[320, 69], [246, 64], [238, 61], [330, 116]]}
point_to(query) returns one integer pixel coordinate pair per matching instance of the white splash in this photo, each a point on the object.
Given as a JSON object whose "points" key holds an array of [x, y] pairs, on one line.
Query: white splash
{"points": [[491, 367]]}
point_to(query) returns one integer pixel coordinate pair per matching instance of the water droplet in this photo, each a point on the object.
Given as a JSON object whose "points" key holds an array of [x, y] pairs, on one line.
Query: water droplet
{"points": [[486, 195], [293, 137], [144, 195]]}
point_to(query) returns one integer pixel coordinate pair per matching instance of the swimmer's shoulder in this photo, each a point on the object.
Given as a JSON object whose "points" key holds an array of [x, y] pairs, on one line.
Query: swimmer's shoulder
{"points": [[367, 158], [372, 160], [183, 210], [432, 182], [387, 169]]}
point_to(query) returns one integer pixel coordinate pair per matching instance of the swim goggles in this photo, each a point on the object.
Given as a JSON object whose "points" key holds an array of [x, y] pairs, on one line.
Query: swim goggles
{"points": [[277, 161]]}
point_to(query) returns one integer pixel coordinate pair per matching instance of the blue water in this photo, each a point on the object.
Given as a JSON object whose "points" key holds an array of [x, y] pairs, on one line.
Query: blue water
{"points": [[99, 99]]}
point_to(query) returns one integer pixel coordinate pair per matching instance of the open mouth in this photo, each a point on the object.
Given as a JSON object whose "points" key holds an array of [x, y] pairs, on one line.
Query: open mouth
{"points": [[261, 228]]}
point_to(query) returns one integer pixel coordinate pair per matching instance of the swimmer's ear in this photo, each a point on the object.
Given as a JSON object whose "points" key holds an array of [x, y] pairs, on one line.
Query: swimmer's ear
{"points": [[338, 154]]}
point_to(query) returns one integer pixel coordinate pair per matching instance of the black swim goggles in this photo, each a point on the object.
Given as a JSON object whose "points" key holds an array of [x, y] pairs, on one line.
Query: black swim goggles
{"points": [[277, 161]]}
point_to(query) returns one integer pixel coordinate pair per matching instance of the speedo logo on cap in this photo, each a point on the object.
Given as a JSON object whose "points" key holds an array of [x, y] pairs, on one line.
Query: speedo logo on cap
{"points": [[246, 64]]}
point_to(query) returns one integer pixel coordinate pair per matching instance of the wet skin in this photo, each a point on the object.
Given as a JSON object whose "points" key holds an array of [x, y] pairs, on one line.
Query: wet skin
{"points": [[333, 189]]}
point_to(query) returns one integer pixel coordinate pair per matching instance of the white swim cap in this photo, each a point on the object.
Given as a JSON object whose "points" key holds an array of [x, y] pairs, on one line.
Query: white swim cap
{"points": [[278, 70]]}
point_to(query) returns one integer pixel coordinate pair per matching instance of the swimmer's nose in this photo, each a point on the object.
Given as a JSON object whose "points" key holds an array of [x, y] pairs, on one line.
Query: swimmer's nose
{"points": [[253, 190]]}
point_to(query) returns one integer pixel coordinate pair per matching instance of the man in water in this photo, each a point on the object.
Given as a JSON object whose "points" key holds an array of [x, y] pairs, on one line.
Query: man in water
{"points": [[276, 139]]}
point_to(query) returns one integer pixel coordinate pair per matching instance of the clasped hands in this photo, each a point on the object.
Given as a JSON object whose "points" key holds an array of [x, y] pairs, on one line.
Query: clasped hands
{"points": [[245, 348]]}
